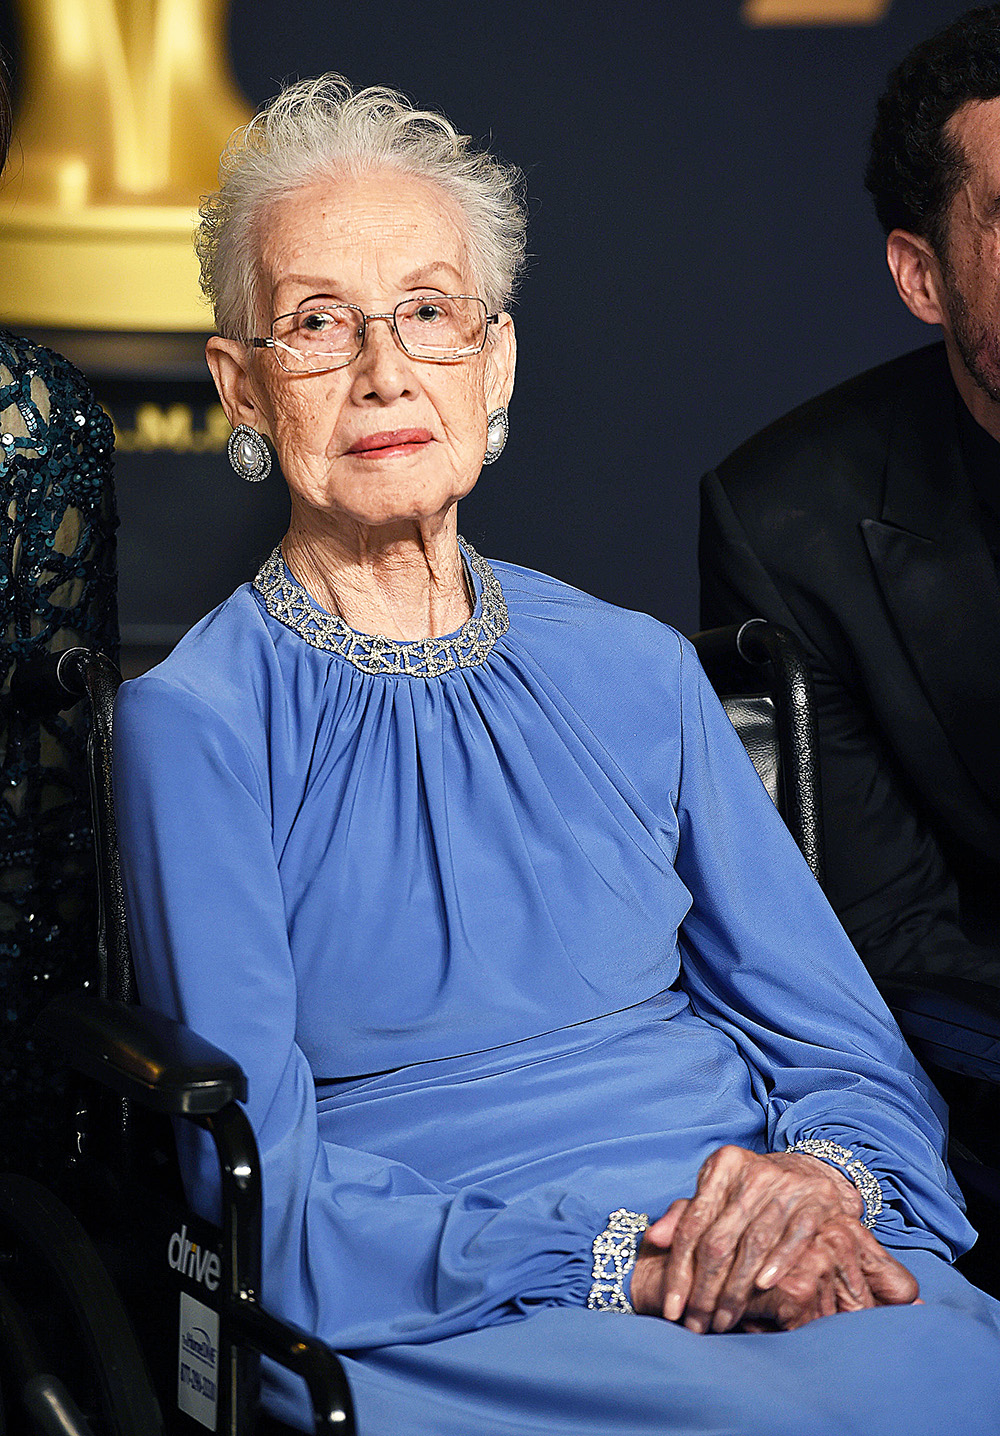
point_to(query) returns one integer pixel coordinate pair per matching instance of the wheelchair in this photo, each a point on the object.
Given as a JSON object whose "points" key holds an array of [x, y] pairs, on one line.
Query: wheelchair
{"points": [[193, 1301]]}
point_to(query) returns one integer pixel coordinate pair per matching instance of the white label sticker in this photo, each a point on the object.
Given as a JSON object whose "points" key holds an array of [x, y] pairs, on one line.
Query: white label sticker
{"points": [[198, 1361]]}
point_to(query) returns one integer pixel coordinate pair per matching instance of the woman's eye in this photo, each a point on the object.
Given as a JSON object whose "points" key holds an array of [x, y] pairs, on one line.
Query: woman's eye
{"points": [[316, 321], [428, 313]]}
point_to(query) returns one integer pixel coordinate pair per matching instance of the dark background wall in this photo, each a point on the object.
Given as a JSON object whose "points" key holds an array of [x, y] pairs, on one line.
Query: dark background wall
{"points": [[700, 176]]}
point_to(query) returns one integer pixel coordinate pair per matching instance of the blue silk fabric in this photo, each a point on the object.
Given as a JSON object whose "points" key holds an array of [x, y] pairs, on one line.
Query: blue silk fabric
{"points": [[501, 950]]}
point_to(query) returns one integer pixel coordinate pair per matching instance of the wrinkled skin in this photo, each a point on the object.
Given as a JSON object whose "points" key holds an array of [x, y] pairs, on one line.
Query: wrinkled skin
{"points": [[372, 537], [767, 1242]]}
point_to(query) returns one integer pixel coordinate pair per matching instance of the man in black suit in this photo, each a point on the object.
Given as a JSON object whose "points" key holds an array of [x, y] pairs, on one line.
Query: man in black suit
{"points": [[868, 521]]}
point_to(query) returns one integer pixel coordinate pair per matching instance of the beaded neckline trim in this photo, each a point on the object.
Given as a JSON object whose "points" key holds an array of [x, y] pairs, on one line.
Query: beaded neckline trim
{"points": [[372, 653]]}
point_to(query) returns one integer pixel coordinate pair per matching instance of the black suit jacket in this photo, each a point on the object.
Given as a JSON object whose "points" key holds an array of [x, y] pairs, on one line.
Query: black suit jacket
{"points": [[853, 522]]}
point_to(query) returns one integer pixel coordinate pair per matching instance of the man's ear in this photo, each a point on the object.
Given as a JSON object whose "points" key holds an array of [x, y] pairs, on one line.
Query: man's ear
{"points": [[501, 358], [917, 272], [227, 359]]}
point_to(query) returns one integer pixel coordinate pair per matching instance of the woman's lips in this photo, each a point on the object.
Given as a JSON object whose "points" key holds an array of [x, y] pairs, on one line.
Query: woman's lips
{"points": [[395, 441]]}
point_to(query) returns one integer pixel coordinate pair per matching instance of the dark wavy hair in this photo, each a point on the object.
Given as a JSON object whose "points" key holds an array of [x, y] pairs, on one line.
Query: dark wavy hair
{"points": [[915, 165], [6, 115]]}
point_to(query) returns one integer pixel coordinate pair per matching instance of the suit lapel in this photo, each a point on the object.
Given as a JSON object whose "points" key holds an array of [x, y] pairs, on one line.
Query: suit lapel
{"points": [[938, 579]]}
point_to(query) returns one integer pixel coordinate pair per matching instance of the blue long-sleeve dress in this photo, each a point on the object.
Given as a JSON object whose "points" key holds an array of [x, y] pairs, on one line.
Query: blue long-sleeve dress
{"points": [[507, 935]]}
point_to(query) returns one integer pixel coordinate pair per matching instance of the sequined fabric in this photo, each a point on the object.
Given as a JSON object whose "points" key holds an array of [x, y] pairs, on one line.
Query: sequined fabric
{"points": [[57, 589]]}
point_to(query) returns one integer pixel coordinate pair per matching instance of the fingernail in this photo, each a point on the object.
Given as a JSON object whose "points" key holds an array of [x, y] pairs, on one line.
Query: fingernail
{"points": [[695, 1324], [767, 1276], [723, 1319], [673, 1306]]}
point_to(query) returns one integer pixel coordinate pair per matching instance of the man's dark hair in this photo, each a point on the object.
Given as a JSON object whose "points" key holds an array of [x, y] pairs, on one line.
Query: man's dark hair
{"points": [[915, 168]]}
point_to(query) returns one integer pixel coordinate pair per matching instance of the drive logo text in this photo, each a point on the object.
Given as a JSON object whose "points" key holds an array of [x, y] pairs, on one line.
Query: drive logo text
{"points": [[195, 1261]]}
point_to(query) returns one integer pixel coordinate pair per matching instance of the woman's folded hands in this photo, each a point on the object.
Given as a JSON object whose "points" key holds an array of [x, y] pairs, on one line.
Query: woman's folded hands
{"points": [[767, 1242]]}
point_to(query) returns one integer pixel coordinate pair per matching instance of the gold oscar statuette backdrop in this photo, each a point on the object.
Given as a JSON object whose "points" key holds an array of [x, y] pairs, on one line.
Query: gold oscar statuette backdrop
{"points": [[126, 107], [814, 12]]}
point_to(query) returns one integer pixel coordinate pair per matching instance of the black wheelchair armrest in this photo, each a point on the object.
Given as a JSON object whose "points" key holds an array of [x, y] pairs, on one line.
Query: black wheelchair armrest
{"points": [[162, 1065], [950, 1022], [302, 1354], [142, 1055]]}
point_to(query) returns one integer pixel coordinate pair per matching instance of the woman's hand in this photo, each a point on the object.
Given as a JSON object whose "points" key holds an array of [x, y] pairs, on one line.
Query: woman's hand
{"points": [[767, 1240]]}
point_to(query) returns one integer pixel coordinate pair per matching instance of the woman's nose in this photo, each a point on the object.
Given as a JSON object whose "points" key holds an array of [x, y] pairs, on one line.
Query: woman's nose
{"points": [[382, 366]]}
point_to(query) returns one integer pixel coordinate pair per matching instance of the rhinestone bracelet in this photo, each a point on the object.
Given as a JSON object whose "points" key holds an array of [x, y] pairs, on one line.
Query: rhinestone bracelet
{"points": [[616, 1245], [865, 1181]]}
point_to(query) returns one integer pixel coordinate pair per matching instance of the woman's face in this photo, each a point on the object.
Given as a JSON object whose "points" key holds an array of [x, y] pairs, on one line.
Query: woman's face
{"points": [[387, 438]]}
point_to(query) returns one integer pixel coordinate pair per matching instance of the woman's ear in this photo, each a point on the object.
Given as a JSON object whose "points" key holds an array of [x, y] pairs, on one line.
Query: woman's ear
{"points": [[501, 358], [227, 359], [917, 272]]}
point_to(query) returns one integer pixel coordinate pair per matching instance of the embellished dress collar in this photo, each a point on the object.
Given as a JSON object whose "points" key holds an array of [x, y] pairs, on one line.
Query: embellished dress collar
{"points": [[287, 601]]}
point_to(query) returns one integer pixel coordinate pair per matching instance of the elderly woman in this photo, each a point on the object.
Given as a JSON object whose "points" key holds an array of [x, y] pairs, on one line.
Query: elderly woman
{"points": [[472, 874]]}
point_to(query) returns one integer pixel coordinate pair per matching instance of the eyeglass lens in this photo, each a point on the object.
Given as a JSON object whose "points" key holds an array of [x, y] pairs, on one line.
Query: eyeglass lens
{"points": [[329, 336]]}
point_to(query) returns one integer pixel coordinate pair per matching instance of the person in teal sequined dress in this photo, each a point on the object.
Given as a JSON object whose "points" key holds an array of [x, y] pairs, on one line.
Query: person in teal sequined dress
{"points": [[57, 589]]}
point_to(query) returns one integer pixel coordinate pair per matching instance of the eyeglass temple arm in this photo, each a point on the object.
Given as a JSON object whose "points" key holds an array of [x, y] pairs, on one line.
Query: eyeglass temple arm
{"points": [[271, 343]]}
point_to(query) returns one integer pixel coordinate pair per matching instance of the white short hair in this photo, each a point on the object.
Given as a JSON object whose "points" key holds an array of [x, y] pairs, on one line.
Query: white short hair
{"points": [[321, 127]]}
